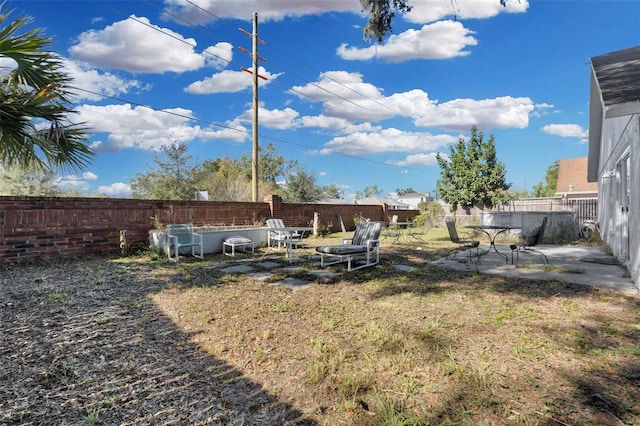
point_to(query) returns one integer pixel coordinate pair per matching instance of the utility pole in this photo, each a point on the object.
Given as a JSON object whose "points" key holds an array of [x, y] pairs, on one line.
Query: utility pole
{"points": [[254, 72]]}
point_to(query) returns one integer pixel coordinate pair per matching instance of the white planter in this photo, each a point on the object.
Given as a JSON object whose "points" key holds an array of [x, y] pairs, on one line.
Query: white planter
{"points": [[212, 238]]}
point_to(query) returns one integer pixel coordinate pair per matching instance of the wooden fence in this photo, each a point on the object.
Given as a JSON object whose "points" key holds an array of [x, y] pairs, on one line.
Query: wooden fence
{"points": [[584, 208]]}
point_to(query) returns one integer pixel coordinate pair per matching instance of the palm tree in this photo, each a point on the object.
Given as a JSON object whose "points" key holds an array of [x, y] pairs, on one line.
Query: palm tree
{"points": [[35, 107]]}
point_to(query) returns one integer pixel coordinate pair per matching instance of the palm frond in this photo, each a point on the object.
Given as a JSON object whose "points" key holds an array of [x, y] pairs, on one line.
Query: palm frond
{"points": [[35, 125]]}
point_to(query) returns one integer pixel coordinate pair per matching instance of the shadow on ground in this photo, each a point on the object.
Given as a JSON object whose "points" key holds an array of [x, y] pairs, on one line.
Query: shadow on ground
{"points": [[82, 343]]}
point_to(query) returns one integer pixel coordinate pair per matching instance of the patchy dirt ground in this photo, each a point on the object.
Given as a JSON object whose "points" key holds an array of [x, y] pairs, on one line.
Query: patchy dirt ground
{"points": [[145, 341]]}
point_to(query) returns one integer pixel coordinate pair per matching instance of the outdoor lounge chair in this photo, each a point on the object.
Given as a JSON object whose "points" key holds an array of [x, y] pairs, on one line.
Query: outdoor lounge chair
{"points": [[182, 235], [462, 244], [531, 238], [364, 243]]}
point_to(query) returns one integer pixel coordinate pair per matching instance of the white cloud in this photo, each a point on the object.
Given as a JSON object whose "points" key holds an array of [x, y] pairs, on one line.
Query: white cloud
{"points": [[421, 159], [336, 123], [272, 118], [136, 45], [229, 82], [387, 140], [95, 85], [74, 182], [423, 11], [346, 96], [461, 114], [144, 128], [219, 55], [277, 118], [542, 109], [117, 189], [440, 40], [567, 131], [429, 11], [267, 10]]}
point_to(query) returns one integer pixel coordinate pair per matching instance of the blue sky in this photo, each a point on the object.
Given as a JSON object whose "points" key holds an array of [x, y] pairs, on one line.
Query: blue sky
{"points": [[353, 113]]}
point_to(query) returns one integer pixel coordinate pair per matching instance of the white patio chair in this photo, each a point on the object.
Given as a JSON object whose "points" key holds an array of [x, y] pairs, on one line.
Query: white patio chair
{"points": [[276, 234], [182, 235]]}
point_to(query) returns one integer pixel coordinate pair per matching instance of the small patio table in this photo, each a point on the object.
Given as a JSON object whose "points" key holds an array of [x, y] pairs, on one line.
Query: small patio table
{"points": [[290, 231], [492, 232]]}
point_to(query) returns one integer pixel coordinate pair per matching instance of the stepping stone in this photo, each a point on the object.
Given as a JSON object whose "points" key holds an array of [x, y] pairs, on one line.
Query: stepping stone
{"points": [[271, 257], [325, 276], [268, 265], [260, 276], [292, 269], [236, 269], [293, 283], [215, 266]]}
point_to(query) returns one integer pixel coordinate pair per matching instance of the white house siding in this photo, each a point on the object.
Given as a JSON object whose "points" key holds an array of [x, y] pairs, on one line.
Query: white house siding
{"points": [[620, 136]]}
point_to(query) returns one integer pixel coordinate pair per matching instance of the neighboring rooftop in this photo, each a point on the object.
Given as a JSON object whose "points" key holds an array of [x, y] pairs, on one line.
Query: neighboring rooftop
{"points": [[393, 204], [572, 179]]}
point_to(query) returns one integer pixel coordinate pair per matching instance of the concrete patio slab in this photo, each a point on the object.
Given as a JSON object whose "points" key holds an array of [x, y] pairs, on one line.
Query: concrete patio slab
{"points": [[571, 264]]}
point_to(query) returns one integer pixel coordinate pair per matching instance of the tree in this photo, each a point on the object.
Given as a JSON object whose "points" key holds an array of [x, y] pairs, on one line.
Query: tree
{"points": [[382, 13], [369, 191], [228, 179], [472, 175], [173, 178], [401, 192], [224, 179], [551, 178], [35, 130], [332, 190], [270, 165], [34, 182], [301, 187]]}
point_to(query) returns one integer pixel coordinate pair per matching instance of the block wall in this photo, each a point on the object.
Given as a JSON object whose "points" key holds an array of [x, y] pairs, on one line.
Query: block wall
{"points": [[41, 227]]}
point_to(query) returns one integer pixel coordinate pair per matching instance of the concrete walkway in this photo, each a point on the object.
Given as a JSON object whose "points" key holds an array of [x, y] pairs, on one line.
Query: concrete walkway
{"points": [[571, 264]]}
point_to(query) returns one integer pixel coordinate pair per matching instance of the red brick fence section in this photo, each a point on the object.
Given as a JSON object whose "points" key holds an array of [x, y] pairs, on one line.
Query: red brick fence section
{"points": [[40, 227]]}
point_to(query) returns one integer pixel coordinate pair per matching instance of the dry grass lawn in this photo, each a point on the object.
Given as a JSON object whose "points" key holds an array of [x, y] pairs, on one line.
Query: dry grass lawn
{"points": [[141, 340]]}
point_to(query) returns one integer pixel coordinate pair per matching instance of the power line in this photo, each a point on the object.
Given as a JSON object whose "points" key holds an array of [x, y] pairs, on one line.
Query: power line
{"points": [[199, 120], [304, 79], [275, 81], [232, 63]]}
